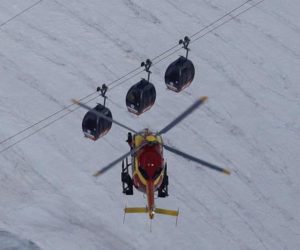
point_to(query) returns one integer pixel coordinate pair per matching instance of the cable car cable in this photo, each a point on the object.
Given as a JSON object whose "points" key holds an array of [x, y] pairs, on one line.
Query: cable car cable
{"points": [[231, 18], [118, 84], [219, 19], [43, 127], [57, 112], [44, 119], [214, 28], [20, 13], [131, 72], [196, 33], [204, 28], [67, 107]]}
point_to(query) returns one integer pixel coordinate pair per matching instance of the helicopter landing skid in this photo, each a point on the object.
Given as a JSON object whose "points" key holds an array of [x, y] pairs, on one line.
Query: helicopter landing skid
{"points": [[127, 183], [163, 189]]}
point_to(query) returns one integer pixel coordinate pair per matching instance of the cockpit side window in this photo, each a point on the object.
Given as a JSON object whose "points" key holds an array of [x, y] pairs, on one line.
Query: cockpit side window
{"points": [[157, 173]]}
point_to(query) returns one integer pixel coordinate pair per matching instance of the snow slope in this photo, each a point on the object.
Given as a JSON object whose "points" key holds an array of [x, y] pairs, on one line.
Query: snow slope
{"points": [[249, 69], [10, 241]]}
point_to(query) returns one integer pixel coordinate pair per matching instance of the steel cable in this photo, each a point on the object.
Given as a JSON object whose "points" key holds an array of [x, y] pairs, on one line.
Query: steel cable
{"points": [[127, 74]]}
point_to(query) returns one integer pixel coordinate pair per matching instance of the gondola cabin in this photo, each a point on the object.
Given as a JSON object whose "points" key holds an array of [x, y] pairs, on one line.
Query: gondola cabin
{"points": [[94, 126], [179, 74], [140, 97]]}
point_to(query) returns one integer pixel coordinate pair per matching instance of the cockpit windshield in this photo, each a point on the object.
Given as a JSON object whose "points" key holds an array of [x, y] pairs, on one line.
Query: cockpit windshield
{"points": [[149, 173]]}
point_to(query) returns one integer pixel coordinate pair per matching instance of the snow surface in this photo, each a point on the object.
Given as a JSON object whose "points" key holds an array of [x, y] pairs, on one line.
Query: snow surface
{"points": [[12, 242], [249, 68]]}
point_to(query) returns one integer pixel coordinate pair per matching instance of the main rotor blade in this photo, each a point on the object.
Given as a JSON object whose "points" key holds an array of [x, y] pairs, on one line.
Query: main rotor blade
{"points": [[101, 115], [192, 158], [110, 165], [188, 111]]}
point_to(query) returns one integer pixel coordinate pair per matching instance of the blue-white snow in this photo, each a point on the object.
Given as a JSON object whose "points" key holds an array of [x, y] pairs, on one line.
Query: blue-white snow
{"points": [[249, 69]]}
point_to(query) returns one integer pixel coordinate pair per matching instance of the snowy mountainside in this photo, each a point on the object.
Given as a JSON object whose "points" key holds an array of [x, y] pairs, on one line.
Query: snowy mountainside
{"points": [[249, 69]]}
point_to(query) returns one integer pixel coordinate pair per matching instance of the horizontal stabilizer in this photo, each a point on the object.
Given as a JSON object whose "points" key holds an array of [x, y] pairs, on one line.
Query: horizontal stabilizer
{"points": [[166, 211], [135, 210]]}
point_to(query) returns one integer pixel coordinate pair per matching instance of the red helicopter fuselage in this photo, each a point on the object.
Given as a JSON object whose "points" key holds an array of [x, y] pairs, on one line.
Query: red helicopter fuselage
{"points": [[148, 166]]}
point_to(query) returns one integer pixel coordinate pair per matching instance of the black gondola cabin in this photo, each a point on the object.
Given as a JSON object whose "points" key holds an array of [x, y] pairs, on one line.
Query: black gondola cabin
{"points": [[179, 74], [140, 97], [94, 126]]}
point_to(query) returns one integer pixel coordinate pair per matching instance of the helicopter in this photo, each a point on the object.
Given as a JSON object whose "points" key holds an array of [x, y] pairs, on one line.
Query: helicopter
{"points": [[148, 168]]}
